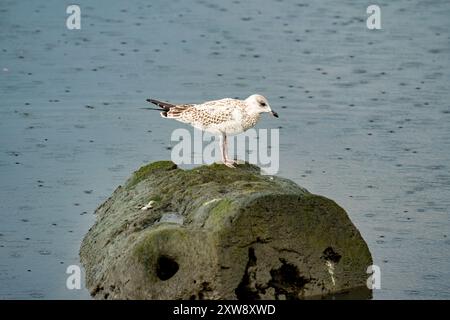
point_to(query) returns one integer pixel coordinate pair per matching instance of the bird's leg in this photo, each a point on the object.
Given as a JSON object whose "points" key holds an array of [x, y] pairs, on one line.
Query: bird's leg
{"points": [[228, 162], [222, 148]]}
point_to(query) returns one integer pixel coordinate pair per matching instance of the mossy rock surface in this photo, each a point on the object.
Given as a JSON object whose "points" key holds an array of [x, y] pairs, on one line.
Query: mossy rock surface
{"points": [[219, 233]]}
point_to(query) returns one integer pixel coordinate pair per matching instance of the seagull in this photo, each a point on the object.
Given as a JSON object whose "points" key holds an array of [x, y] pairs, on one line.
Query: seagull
{"points": [[222, 117]]}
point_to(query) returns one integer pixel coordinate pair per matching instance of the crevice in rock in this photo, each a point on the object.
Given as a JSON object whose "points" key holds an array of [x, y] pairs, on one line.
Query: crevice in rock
{"points": [[166, 267], [258, 240], [330, 255], [205, 288], [97, 291], [287, 281], [288, 250], [245, 291]]}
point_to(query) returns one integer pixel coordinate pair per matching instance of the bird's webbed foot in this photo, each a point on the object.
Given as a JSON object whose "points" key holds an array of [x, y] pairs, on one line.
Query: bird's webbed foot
{"points": [[230, 163]]}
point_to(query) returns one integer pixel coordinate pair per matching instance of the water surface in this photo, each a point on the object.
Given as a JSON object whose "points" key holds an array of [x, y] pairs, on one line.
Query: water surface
{"points": [[364, 119]]}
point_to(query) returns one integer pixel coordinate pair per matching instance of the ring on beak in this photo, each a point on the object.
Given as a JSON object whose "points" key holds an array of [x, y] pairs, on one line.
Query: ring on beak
{"points": [[275, 114]]}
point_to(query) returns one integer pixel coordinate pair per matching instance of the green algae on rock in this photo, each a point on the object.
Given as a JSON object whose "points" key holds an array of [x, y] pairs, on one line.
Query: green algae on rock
{"points": [[214, 232]]}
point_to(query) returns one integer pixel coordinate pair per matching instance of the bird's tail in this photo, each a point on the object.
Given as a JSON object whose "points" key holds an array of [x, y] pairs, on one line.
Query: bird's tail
{"points": [[169, 110]]}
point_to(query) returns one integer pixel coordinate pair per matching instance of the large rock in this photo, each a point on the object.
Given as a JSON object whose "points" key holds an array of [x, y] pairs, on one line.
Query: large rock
{"points": [[220, 233]]}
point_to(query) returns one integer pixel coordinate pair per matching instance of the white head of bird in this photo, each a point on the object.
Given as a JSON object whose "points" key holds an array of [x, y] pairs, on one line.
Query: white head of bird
{"points": [[258, 104]]}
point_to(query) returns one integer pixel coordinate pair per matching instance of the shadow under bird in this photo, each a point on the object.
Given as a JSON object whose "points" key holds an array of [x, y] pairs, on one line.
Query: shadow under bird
{"points": [[222, 117]]}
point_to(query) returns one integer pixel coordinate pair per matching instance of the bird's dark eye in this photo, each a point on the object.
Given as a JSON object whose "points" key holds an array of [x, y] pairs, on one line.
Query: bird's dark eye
{"points": [[263, 104]]}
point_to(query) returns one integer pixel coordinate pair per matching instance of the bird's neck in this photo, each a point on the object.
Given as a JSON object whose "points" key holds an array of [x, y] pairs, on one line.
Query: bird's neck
{"points": [[252, 119]]}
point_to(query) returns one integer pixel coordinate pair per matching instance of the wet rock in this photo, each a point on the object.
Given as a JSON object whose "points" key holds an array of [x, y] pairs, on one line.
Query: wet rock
{"points": [[219, 233]]}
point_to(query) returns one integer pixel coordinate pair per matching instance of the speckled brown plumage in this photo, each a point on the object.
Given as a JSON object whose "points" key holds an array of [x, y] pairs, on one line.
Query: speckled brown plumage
{"points": [[222, 117]]}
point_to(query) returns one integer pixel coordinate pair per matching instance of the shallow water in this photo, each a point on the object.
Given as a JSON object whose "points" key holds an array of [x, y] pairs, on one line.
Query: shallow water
{"points": [[364, 119]]}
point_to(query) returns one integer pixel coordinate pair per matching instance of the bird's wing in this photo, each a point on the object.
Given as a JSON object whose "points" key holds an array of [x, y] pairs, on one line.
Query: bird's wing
{"points": [[217, 111]]}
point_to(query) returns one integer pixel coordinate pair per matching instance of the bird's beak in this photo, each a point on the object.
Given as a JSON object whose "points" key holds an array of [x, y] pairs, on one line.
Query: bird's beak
{"points": [[274, 114]]}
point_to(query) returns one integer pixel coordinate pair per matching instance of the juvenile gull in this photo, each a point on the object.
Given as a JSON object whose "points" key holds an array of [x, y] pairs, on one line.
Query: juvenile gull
{"points": [[222, 117]]}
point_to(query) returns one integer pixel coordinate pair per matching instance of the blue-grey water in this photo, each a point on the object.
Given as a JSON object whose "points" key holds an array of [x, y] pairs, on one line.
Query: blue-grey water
{"points": [[364, 117]]}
